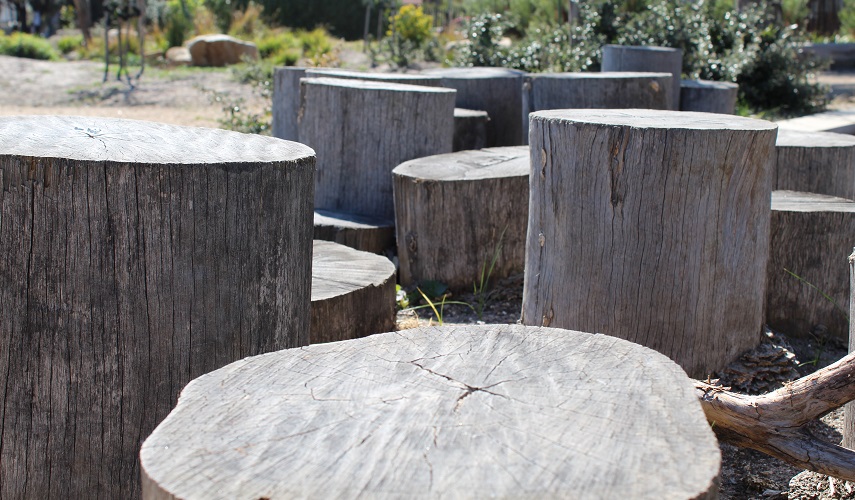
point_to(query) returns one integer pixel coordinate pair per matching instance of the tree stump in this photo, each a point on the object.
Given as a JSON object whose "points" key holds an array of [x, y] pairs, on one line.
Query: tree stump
{"points": [[657, 59], [361, 130], [369, 234], [456, 213], [497, 411], [353, 293], [807, 288], [406, 78], [596, 91], [651, 226], [470, 129], [286, 102], [708, 96], [815, 162], [498, 91], [136, 256]]}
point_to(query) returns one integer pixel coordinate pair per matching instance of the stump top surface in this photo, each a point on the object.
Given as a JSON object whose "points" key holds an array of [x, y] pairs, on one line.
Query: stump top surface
{"points": [[805, 139], [139, 142], [708, 84], [489, 163], [603, 75], [469, 113], [798, 201], [653, 119], [493, 411], [640, 48], [375, 85], [395, 77], [339, 270], [342, 219], [474, 73]]}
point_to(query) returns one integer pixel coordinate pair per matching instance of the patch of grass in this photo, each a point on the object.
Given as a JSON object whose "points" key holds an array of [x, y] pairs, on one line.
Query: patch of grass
{"points": [[27, 46]]}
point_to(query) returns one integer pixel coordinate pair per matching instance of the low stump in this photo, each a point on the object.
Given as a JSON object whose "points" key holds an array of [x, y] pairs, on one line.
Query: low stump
{"points": [[369, 234], [708, 96], [815, 162], [470, 129], [460, 412]]}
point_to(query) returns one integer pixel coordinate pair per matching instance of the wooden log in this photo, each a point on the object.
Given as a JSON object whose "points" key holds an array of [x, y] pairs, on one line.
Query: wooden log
{"points": [[651, 226], [361, 130], [497, 411], [470, 129], [815, 162], [595, 91], [456, 213], [708, 96], [849, 409], [807, 287], [136, 256], [286, 102], [353, 293], [498, 91], [406, 78], [369, 234], [657, 59]]}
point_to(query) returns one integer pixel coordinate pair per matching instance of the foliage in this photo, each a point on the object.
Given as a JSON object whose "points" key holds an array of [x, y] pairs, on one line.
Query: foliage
{"points": [[178, 22], [482, 46], [28, 46], [847, 17], [343, 18], [70, 43], [481, 288], [247, 23], [410, 33], [237, 116]]}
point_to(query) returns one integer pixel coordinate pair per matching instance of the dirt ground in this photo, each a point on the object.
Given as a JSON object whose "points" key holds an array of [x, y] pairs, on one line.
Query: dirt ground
{"points": [[179, 97]]}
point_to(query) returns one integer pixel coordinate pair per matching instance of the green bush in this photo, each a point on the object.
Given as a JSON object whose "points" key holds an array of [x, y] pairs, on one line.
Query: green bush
{"points": [[29, 46], [315, 43], [68, 44]]}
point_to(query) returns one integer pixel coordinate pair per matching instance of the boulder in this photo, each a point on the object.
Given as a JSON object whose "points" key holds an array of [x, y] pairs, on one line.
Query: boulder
{"points": [[220, 50], [178, 56]]}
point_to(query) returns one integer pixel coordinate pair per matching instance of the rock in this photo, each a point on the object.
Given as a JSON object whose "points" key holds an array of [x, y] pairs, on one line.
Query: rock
{"points": [[220, 50], [178, 56]]}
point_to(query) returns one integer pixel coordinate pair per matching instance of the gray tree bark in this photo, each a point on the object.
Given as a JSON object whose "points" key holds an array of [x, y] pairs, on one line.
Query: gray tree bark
{"points": [[456, 213], [708, 96], [353, 293], [368, 234], [286, 102], [815, 162], [136, 256], [657, 59], [361, 130], [651, 226], [470, 129], [458, 412]]}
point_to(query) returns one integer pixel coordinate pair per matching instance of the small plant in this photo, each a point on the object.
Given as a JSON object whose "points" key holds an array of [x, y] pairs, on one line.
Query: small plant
{"points": [[69, 44], [434, 294], [410, 31], [481, 288], [27, 46]]}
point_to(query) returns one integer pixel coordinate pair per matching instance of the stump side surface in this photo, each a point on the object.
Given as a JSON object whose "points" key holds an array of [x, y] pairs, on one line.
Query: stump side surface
{"points": [[815, 162], [286, 102], [507, 411]]}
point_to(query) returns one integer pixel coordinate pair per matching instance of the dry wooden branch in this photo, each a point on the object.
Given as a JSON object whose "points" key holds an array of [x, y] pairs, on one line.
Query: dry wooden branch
{"points": [[775, 423]]}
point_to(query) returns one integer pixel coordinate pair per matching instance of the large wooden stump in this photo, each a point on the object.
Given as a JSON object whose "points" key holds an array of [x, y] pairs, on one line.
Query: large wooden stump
{"points": [[651, 226], [657, 59], [708, 96], [353, 293], [807, 286], [498, 91], [361, 130], [136, 256], [815, 162], [286, 102], [369, 234], [456, 412], [456, 213]]}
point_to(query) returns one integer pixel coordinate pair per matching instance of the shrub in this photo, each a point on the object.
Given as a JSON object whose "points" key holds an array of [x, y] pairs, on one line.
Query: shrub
{"points": [[68, 44], [28, 46], [315, 43]]}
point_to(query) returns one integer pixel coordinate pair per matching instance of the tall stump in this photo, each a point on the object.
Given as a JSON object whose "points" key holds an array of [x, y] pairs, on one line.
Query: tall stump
{"points": [[815, 162], [136, 256], [651, 226], [498, 91], [807, 288], [658, 59], [286, 102], [708, 96], [458, 215], [465, 412], [361, 130]]}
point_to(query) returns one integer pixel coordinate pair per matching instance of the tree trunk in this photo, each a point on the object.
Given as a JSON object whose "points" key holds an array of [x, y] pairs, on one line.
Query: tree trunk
{"points": [[815, 162], [458, 412], [807, 286], [657, 59], [708, 96], [368, 234], [136, 256], [286, 102], [361, 130], [84, 19], [651, 226], [353, 293], [470, 129], [460, 214], [497, 91]]}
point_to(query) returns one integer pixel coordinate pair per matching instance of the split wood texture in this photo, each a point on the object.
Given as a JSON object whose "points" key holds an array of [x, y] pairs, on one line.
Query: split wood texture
{"points": [[456, 213], [500, 411], [369, 234], [651, 226], [708, 96], [648, 58], [361, 130], [815, 162], [807, 285], [353, 293], [470, 129], [136, 256], [498, 91]]}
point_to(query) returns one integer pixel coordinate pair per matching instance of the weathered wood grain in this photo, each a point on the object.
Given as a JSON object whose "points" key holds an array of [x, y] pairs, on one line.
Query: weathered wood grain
{"points": [[649, 58], [136, 256], [651, 226], [708, 96], [811, 236], [369, 234], [361, 130], [849, 409], [285, 108], [353, 293], [815, 162], [407, 78], [455, 212], [458, 412], [470, 129]]}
